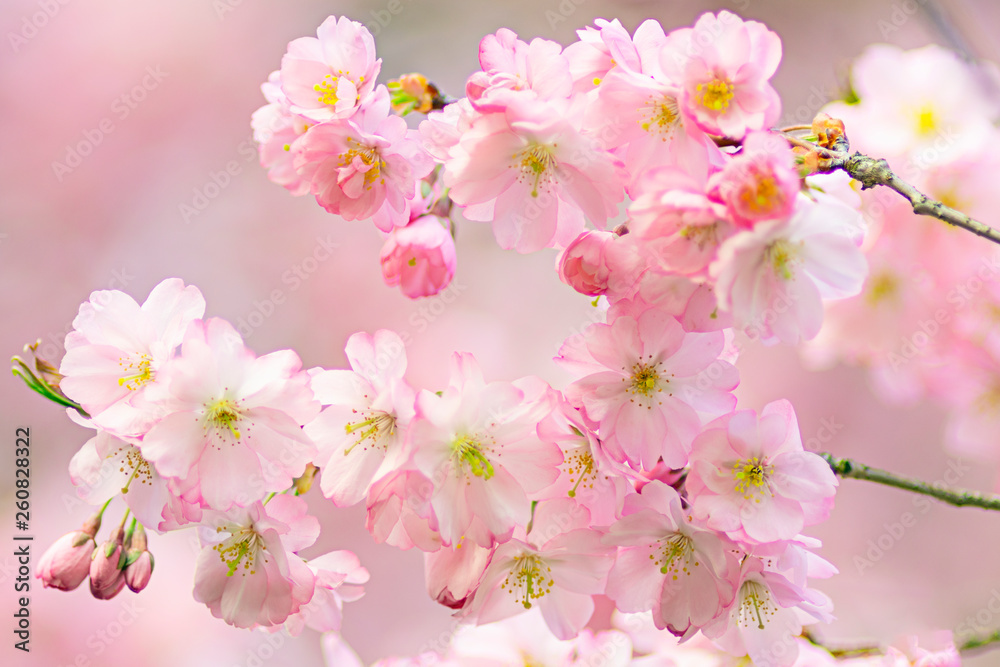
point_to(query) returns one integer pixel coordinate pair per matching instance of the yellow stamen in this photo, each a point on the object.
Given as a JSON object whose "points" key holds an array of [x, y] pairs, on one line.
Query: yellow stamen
{"points": [[716, 94]]}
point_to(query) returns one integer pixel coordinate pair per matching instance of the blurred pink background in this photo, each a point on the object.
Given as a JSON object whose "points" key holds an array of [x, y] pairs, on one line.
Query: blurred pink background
{"points": [[159, 96]]}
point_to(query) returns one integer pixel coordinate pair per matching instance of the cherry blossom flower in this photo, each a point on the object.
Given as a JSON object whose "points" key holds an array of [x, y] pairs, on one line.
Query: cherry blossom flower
{"points": [[645, 382], [400, 511], [760, 183], [338, 579], [232, 430], [724, 65], [599, 262], [558, 566], [275, 129], [106, 465], [117, 347], [683, 572], [477, 442], [774, 278], [248, 573], [330, 75], [366, 166], [750, 477], [360, 433], [419, 257], [533, 175], [512, 66]]}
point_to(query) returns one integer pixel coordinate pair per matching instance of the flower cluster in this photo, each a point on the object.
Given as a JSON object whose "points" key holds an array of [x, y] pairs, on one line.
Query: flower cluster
{"points": [[328, 130], [194, 430], [641, 480], [925, 321]]}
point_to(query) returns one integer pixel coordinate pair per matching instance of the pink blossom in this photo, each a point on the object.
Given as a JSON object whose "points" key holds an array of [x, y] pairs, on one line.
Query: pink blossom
{"points": [[232, 430], [599, 262], [532, 174], [724, 65], [452, 574], [646, 381], [359, 434], [928, 102], [106, 576], [766, 616], [400, 511], [559, 565], [937, 651], [117, 347], [249, 574], [587, 474], [275, 129], [681, 571], [339, 578], [750, 477], [138, 561], [512, 66], [609, 47], [330, 75], [478, 444], [106, 465], [774, 278], [419, 257], [366, 166], [680, 225], [760, 183]]}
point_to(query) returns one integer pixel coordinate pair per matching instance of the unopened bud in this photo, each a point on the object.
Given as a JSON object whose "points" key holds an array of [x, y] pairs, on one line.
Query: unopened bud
{"points": [[66, 563], [138, 561], [304, 483]]}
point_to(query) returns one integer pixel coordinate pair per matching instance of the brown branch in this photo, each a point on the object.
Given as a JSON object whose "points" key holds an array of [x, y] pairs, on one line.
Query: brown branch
{"points": [[871, 172]]}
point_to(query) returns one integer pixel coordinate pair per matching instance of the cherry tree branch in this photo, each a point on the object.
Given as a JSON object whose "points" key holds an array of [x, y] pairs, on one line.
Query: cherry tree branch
{"points": [[847, 468], [870, 172]]}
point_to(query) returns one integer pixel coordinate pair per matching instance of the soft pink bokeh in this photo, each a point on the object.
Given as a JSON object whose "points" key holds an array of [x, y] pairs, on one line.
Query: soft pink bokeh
{"points": [[161, 95]]}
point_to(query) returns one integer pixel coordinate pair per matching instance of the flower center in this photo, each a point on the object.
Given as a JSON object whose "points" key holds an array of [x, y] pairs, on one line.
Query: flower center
{"points": [[701, 235], [645, 379], [715, 94], [926, 120], [526, 580], [536, 162], [467, 453], [223, 414], [243, 546], [782, 256], [751, 476], [764, 195], [884, 286], [675, 555], [374, 431], [133, 460], [365, 159], [327, 89], [580, 466], [137, 371], [660, 116], [756, 607]]}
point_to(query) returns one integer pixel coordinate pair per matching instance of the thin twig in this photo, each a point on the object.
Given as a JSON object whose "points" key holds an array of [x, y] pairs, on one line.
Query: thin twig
{"points": [[851, 469], [979, 642], [871, 172]]}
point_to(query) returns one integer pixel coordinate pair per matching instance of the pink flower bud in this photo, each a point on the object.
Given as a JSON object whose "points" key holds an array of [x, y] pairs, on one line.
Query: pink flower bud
{"points": [[106, 578], [419, 257], [583, 265], [66, 563], [139, 570]]}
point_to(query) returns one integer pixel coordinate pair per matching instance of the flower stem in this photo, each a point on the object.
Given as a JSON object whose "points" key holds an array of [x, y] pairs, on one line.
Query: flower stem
{"points": [[848, 468], [979, 642]]}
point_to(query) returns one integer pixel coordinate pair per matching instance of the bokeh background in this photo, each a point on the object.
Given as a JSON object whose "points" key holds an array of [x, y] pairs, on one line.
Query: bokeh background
{"points": [[154, 100]]}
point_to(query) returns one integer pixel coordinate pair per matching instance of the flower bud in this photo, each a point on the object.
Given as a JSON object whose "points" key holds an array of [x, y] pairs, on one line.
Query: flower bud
{"points": [[419, 257], [106, 579], [66, 563], [138, 561], [584, 265]]}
